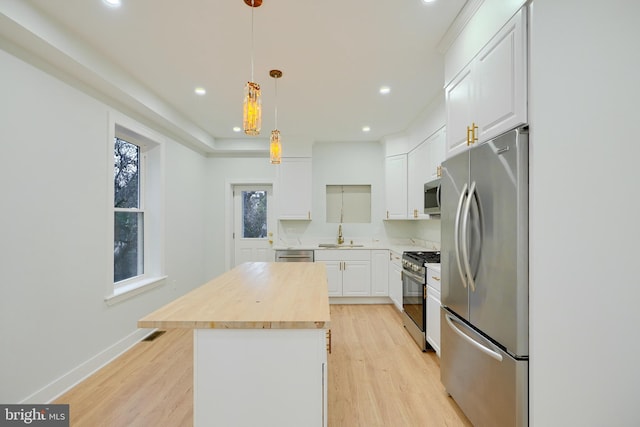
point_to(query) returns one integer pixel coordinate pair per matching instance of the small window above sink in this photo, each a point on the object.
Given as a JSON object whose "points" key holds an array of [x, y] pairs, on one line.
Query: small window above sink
{"points": [[348, 204]]}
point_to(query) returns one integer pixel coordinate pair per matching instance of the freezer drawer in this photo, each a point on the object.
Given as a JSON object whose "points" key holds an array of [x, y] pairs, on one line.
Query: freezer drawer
{"points": [[489, 385]]}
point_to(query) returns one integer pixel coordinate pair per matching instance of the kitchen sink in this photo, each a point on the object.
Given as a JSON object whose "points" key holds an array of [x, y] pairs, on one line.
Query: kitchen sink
{"points": [[337, 246]]}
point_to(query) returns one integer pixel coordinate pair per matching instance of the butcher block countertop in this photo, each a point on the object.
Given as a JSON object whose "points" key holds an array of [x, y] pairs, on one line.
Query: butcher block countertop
{"points": [[253, 295]]}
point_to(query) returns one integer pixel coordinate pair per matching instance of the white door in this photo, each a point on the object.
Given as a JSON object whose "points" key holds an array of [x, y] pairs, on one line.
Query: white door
{"points": [[253, 223]]}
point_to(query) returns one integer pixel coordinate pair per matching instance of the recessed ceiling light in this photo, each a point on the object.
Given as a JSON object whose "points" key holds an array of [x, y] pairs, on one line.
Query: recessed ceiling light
{"points": [[112, 3], [236, 129], [366, 128], [200, 91], [428, 1], [385, 90]]}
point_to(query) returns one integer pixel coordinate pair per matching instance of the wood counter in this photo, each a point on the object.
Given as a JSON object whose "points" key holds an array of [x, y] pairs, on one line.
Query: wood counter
{"points": [[254, 295], [259, 345]]}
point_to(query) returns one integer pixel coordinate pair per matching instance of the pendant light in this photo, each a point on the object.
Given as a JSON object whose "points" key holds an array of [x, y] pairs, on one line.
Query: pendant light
{"points": [[252, 107], [275, 147]]}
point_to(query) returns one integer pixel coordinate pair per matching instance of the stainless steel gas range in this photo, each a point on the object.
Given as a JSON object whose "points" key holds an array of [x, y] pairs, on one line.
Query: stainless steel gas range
{"points": [[414, 294]]}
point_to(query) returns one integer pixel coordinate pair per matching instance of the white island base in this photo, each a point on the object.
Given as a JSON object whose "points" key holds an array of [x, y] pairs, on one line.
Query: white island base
{"points": [[260, 377], [260, 345]]}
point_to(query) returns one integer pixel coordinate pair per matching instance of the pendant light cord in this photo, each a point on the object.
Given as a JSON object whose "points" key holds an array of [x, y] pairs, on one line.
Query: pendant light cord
{"points": [[252, 7], [276, 102]]}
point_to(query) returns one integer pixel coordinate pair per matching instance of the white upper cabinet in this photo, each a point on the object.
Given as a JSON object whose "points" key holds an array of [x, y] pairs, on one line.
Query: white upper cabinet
{"points": [[294, 188], [418, 175], [396, 186], [460, 110], [406, 175], [423, 166], [489, 96], [436, 153]]}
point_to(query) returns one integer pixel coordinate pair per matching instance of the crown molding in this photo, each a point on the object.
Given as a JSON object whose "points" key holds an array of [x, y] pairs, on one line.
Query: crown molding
{"points": [[464, 16]]}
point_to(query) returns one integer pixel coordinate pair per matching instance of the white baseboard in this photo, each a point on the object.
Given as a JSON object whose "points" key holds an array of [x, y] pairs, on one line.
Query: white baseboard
{"points": [[56, 388], [360, 300]]}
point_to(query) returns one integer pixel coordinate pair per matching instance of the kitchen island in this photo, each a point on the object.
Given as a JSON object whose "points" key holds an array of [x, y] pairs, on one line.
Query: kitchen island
{"points": [[260, 355]]}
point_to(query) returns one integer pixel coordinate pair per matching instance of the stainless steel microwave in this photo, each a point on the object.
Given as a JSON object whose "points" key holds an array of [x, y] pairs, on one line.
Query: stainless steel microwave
{"points": [[432, 197]]}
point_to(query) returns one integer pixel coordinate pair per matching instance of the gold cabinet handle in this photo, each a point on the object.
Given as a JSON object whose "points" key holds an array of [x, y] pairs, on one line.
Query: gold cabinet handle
{"points": [[471, 134], [474, 128], [439, 171], [435, 278]]}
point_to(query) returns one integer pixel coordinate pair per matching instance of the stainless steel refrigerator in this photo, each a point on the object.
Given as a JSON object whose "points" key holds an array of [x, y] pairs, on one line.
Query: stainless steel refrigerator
{"points": [[485, 286]]}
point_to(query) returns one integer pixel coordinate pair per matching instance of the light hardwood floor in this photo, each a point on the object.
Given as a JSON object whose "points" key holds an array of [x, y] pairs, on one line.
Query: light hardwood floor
{"points": [[377, 377]]}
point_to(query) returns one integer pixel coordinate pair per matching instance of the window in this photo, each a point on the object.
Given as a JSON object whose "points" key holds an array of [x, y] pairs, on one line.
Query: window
{"points": [[348, 203], [254, 214], [137, 199], [128, 245]]}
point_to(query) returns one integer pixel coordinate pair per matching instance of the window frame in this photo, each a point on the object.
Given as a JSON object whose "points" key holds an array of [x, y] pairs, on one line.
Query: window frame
{"points": [[142, 178], [151, 203]]}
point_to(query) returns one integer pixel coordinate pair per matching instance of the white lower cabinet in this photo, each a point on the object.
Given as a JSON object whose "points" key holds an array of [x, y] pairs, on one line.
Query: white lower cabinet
{"points": [[379, 273], [395, 279], [433, 309], [348, 271]]}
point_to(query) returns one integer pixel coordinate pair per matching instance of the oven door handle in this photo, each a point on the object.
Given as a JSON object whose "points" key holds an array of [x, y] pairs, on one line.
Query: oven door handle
{"points": [[413, 276]]}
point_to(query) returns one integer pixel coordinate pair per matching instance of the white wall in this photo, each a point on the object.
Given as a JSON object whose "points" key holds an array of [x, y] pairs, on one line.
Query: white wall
{"points": [[584, 240], [222, 172], [347, 163], [55, 174]]}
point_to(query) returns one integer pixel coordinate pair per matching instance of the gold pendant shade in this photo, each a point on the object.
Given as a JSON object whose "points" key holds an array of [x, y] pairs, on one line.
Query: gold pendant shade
{"points": [[252, 109]]}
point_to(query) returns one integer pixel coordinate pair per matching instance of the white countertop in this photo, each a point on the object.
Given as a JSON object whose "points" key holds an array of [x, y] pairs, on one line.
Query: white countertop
{"points": [[433, 266], [397, 248]]}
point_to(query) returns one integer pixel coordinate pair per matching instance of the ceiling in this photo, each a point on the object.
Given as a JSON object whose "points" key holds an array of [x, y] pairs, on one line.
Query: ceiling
{"points": [[334, 55]]}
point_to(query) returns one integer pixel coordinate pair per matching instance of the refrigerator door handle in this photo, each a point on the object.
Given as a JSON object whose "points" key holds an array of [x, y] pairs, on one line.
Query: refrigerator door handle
{"points": [[465, 232], [456, 234], [467, 338]]}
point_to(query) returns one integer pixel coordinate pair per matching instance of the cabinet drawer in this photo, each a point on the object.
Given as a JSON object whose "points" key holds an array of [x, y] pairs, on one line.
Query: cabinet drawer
{"points": [[433, 279]]}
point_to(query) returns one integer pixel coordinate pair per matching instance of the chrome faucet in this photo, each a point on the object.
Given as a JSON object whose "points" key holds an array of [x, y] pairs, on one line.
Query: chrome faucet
{"points": [[340, 238]]}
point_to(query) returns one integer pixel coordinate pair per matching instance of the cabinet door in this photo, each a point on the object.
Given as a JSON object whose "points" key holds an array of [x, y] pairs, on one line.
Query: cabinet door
{"points": [[334, 277], [396, 186], [418, 174], [436, 153], [380, 273], [356, 278], [460, 110], [395, 284], [433, 319], [501, 82], [294, 188]]}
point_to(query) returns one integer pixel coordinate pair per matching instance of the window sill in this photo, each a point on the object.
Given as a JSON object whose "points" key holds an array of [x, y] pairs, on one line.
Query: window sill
{"points": [[131, 290]]}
